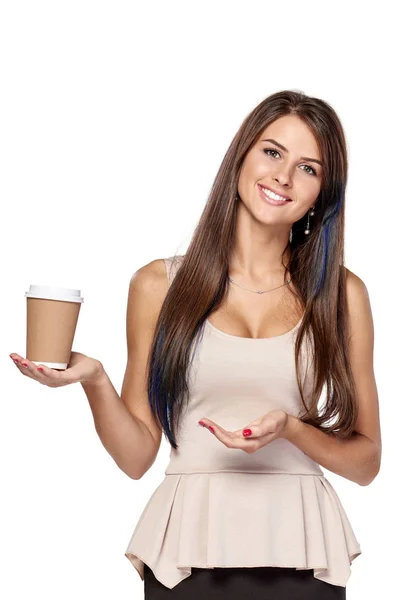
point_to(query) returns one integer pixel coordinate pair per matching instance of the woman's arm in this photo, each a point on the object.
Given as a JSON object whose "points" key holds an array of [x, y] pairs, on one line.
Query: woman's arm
{"points": [[125, 437], [125, 424], [357, 458]]}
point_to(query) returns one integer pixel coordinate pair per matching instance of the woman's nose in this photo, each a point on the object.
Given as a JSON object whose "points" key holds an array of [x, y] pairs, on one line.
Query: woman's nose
{"points": [[283, 178]]}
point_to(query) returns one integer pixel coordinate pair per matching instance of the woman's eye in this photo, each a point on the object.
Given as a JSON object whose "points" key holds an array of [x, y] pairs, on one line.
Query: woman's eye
{"points": [[266, 150], [311, 170]]}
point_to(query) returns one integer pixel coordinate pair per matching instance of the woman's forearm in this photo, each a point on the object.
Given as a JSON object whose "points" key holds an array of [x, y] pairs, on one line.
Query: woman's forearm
{"points": [[125, 437], [356, 458]]}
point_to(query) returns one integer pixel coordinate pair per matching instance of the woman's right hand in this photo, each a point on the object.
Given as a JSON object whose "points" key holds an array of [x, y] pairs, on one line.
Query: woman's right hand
{"points": [[81, 368]]}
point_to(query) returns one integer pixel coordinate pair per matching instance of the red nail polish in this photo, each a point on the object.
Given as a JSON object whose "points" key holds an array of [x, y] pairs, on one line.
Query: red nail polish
{"points": [[202, 423], [40, 369], [211, 428], [246, 432]]}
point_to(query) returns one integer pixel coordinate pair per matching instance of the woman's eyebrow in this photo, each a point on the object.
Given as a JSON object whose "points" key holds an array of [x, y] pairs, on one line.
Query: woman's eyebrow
{"points": [[286, 150]]}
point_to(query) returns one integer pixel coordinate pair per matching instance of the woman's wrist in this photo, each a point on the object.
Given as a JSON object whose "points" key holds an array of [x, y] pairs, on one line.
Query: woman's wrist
{"points": [[98, 379], [290, 428]]}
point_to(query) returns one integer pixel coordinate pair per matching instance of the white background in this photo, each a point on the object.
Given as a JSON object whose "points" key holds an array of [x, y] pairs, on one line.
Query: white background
{"points": [[115, 117]]}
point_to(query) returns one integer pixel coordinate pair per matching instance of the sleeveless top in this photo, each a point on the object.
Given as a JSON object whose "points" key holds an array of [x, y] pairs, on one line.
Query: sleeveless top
{"points": [[222, 507]]}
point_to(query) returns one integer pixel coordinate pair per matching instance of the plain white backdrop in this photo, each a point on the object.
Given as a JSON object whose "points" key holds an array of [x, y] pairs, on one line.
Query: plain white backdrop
{"points": [[115, 117]]}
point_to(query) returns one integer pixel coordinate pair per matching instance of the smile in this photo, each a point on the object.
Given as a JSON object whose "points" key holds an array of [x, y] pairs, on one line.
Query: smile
{"points": [[271, 197]]}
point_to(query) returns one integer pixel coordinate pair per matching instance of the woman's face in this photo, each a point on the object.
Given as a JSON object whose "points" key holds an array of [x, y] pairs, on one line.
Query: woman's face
{"points": [[288, 166]]}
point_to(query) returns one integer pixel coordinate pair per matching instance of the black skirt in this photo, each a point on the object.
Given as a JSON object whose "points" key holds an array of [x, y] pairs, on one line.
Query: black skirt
{"points": [[239, 583]]}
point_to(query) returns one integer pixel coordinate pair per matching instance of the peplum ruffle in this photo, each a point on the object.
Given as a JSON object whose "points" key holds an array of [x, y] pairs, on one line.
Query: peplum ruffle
{"points": [[242, 519]]}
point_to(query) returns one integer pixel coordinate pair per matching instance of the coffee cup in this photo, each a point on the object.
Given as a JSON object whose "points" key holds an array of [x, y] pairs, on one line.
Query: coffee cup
{"points": [[52, 317]]}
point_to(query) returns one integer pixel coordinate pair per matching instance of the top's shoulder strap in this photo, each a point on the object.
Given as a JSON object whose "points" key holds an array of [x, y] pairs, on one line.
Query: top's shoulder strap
{"points": [[172, 265]]}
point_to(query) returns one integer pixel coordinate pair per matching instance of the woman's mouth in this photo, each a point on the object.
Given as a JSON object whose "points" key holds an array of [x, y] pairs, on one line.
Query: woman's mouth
{"points": [[271, 198]]}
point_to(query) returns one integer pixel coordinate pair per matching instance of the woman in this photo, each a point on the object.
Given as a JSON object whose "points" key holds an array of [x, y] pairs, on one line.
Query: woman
{"points": [[241, 335]]}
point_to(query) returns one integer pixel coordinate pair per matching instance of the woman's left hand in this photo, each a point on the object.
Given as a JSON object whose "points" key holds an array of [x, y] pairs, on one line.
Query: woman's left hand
{"points": [[264, 430]]}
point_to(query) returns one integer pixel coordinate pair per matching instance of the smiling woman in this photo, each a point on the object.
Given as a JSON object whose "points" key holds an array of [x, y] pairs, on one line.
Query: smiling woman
{"points": [[259, 317]]}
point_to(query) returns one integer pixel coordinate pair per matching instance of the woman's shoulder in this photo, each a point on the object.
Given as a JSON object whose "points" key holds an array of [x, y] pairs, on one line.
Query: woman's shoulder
{"points": [[150, 279], [153, 277], [358, 304], [355, 287]]}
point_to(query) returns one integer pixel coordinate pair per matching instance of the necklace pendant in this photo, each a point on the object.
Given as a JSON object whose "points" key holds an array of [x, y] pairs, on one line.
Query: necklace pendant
{"points": [[259, 292]]}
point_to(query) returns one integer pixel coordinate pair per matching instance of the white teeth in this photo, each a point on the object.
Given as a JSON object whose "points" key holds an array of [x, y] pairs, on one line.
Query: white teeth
{"points": [[272, 195]]}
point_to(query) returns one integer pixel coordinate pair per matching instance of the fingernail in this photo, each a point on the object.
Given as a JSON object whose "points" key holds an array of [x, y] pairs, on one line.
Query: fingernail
{"points": [[246, 432], [202, 423], [211, 428], [16, 360], [40, 369], [24, 365]]}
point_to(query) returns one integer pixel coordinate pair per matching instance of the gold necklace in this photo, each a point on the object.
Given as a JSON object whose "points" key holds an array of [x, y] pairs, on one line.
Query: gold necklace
{"points": [[259, 291]]}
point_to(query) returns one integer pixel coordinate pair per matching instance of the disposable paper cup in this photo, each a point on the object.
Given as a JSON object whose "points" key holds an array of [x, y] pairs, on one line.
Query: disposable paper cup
{"points": [[52, 316]]}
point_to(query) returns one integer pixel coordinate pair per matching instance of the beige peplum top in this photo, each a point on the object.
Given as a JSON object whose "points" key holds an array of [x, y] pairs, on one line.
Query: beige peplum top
{"points": [[222, 507]]}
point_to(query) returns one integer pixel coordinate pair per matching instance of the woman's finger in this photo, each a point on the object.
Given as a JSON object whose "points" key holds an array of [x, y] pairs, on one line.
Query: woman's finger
{"points": [[26, 366], [41, 373]]}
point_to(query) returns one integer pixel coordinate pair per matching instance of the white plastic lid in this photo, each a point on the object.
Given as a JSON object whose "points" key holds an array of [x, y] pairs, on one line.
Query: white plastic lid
{"points": [[48, 292]]}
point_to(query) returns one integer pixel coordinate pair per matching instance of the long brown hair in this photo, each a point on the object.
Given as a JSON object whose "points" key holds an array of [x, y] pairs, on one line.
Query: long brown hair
{"points": [[315, 266]]}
